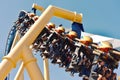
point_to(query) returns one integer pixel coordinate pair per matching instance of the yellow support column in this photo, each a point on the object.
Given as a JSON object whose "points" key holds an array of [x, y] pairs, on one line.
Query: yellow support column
{"points": [[7, 65], [46, 69], [31, 65], [16, 39], [20, 73], [45, 61]]}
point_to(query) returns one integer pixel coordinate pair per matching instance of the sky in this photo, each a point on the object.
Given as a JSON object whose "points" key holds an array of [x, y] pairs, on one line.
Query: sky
{"points": [[99, 17]]}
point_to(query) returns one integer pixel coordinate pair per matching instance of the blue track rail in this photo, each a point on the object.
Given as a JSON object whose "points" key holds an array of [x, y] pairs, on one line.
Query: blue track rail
{"points": [[10, 39]]}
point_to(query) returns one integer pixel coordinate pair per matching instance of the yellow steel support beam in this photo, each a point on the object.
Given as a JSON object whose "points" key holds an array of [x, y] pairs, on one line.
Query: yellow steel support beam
{"points": [[46, 69], [21, 49], [20, 73], [38, 7], [31, 65], [72, 16], [7, 65], [16, 39], [45, 61], [62, 13]]}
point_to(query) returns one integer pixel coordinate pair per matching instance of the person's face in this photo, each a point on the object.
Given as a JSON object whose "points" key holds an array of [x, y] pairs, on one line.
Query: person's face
{"points": [[102, 63]]}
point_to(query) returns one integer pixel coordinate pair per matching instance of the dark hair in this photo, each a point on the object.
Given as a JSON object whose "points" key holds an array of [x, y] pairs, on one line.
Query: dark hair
{"points": [[107, 72]]}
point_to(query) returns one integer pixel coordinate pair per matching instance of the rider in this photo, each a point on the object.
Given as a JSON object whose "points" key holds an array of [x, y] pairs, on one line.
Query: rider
{"points": [[55, 42], [85, 55], [86, 41], [105, 47], [70, 48]]}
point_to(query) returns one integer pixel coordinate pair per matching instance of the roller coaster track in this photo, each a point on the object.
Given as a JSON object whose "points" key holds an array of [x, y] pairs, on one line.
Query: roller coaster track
{"points": [[10, 39]]}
